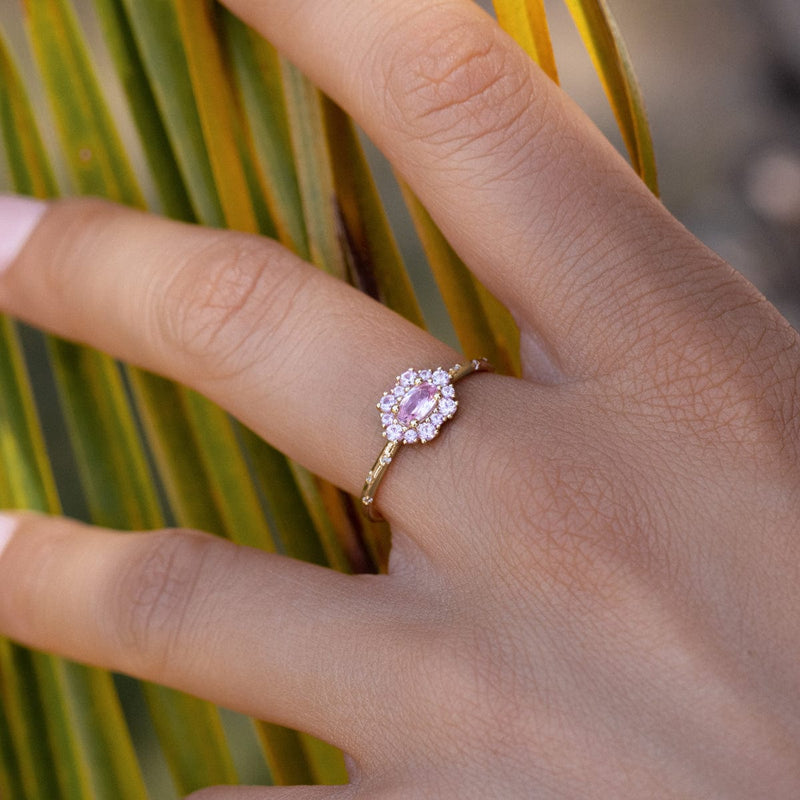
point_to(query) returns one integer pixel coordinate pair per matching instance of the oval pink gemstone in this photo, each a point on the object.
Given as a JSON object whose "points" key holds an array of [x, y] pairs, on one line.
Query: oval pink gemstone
{"points": [[417, 403]]}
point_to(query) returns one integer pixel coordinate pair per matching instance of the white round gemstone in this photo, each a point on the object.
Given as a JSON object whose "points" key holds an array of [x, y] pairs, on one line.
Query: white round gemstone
{"points": [[440, 377], [436, 419], [427, 431], [410, 436], [448, 391], [387, 419], [399, 390], [386, 402], [408, 377], [394, 433], [425, 374], [447, 407]]}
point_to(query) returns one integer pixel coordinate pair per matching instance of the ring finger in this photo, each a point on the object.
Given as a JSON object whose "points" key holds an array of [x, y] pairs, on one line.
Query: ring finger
{"points": [[298, 356]]}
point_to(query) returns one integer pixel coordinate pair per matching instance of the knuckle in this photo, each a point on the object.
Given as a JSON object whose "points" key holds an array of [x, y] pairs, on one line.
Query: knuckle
{"points": [[571, 517], [574, 513], [451, 79], [151, 599], [225, 303]]}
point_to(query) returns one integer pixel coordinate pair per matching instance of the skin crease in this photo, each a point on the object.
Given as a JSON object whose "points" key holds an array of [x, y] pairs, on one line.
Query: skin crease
{"points": [[595, 578]]}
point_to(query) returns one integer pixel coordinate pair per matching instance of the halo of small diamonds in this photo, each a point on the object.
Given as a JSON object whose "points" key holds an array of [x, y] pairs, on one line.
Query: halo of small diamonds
{"points": [[420, 402]]}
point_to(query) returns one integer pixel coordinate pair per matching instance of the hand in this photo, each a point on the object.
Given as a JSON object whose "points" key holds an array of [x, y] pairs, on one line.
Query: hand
{"points": [[594, 585]]}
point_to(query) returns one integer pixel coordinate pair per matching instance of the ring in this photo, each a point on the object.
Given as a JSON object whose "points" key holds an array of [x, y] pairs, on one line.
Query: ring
{"points": [[412, 412]]}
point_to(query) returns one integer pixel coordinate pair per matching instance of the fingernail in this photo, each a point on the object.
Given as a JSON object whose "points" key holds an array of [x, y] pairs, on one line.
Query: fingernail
{"points": [[18, 218], [8, 524]]}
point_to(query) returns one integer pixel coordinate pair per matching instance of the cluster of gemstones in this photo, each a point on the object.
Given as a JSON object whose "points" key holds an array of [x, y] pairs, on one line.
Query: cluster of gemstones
{"points": [[415, 409]]}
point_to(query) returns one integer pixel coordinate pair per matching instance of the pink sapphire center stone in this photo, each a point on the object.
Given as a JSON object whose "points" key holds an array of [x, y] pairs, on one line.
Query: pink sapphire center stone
{"points": [[417, 403]]}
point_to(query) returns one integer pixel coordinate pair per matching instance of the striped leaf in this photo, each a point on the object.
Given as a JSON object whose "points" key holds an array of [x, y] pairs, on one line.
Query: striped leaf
{"points": [[526, 21]]}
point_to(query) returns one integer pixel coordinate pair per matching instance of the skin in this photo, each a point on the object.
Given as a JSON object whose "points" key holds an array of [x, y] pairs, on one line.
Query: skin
{"points": [[594, 586]]}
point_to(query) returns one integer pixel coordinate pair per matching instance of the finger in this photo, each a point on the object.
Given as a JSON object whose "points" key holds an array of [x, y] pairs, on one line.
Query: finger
{"points": [[526, 189], [298, 356], [274, 793], [271, 637]]}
